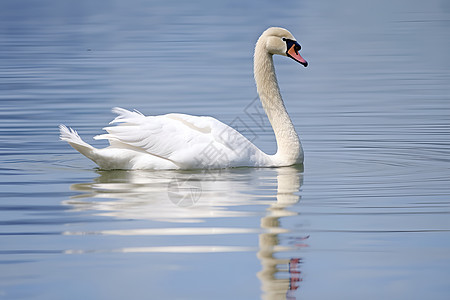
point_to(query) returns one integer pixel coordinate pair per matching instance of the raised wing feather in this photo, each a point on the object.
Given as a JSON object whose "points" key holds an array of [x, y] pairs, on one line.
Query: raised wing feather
{"points": [[182, 139]]}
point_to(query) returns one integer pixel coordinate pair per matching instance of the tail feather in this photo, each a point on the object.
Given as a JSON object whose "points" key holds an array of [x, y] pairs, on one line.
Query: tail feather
{"points": [[71, 136]]}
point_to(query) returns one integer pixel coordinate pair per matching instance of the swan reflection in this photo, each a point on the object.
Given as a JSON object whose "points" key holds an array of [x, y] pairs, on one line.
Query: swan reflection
{"points": [[194, 197], [289, 183], [169, 196]]}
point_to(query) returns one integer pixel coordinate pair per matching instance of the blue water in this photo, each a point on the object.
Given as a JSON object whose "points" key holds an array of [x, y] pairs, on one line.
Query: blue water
{"points": [[367, 216]]}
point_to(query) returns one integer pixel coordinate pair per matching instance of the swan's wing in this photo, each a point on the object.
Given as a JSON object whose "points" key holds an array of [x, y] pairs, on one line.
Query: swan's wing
{"points": [[183, 139]]}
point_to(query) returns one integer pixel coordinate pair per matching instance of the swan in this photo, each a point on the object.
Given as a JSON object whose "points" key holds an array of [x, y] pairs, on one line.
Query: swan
{"points": [[180, 141]]}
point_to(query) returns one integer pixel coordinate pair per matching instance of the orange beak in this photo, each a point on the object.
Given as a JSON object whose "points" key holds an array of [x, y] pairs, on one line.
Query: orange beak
{"points": [[293, 53]]}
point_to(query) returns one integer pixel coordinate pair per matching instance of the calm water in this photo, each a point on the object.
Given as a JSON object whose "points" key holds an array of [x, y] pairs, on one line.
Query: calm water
{"points": [[367, 217]]}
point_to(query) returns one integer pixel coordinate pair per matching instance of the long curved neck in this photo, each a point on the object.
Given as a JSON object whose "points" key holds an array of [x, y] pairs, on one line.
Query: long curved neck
{"points": [[289, 147]]}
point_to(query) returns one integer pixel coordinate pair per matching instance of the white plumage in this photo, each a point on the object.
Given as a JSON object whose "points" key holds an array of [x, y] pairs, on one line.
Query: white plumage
{"points": [[179, 141]]}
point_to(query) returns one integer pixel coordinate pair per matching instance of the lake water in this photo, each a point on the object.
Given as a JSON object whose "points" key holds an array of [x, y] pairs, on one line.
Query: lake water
{"points": [[366, 217]]}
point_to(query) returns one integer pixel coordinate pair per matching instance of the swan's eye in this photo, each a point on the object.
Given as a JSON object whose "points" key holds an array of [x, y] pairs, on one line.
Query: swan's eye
{"points": [[290, 43]]}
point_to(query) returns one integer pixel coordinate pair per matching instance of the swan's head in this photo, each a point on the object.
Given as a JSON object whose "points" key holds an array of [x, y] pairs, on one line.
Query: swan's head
{"points": [[280, 41]]}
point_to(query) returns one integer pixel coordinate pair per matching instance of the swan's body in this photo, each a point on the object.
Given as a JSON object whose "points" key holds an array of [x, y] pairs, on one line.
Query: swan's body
{"points": [[178, 141]]}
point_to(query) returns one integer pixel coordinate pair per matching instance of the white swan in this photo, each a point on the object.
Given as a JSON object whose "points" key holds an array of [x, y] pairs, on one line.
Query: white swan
{"points": [[178, 141]]}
